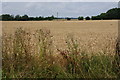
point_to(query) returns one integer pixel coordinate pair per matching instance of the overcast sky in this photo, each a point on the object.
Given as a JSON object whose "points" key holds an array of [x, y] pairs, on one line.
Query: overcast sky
{"points": [[65, 9], [60, 0]]}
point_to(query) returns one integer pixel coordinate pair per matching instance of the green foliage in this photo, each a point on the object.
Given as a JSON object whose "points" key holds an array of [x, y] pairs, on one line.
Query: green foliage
{"points": [[103, 16], [87, 18], [80, 18], [7, 17], [113, 13], [17, 17], [50, 18], [24, 18], [68, 18], [110, 14], [96, 18]]}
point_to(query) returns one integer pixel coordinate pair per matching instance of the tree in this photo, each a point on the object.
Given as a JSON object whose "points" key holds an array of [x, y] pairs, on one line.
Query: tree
{"points": [[0, 17], [113, 13], [80, 18], [87, 18], [41, 18], [25, 18], [68, 18], [103, 16], [37, 18], [18, 17], [110, 14], [96, 17], [51, 18], [7, 17], [31, 18]]}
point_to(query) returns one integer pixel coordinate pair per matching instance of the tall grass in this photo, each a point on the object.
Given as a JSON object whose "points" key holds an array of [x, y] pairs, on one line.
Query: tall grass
{"points": [[31, 55]]}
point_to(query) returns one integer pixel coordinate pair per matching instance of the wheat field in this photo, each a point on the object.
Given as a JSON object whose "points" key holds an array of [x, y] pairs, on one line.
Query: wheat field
{"points": [[60, 49], [89, 33]]}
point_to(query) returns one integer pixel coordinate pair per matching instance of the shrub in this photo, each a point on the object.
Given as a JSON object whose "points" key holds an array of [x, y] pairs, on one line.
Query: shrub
{"points": [[87, 18]]}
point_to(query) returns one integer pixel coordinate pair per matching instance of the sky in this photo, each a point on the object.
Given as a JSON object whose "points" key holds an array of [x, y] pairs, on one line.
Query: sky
{"points": [[59, 0], [64, 9]]}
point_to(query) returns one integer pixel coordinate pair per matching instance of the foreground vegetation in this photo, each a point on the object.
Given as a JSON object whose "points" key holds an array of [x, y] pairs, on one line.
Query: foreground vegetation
{"points": [[31, 55]]}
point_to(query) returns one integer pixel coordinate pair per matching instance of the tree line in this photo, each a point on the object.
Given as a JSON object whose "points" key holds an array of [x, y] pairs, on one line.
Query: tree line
{"points": [[110, 14], [8, 17]]}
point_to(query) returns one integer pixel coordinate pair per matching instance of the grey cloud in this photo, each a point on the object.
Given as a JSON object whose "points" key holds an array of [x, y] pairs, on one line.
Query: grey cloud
{"points": [[72, 9]]}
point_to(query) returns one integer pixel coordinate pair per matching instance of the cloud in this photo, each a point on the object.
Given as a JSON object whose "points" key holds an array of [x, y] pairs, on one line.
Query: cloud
{"points": [[70, 9], [60, 0]]}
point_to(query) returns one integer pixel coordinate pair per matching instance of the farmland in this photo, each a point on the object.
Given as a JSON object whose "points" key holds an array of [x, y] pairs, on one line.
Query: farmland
{"points": [[86, 31], [86, 49]]}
